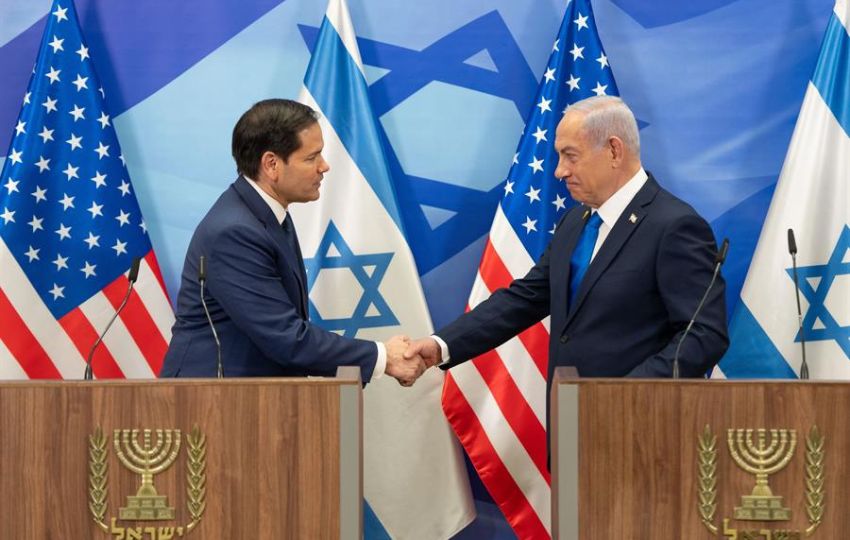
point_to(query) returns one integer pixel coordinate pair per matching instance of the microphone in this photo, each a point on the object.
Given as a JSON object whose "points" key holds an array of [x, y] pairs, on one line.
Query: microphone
{"points": [[202, 279], [792, 249], [718, 262], [132, 276]]}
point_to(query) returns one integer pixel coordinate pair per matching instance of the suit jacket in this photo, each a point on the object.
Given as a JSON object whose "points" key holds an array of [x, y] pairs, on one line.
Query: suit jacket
{"points": [[632, 306], [256, 292]]}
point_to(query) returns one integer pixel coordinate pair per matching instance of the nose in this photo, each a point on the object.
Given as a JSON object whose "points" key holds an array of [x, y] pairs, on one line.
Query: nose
{"points": [[323, 165], [562, 171]]}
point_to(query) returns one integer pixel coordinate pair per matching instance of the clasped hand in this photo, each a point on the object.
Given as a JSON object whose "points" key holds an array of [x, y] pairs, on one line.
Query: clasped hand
{"points": [[407, 360]]}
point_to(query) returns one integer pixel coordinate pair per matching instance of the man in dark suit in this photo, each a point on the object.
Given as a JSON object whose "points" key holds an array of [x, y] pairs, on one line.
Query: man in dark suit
{"points": [[622, 276], [256, 286]]}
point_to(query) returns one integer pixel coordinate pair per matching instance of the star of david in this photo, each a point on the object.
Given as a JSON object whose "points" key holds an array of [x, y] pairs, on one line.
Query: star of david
{"points": [[815, 283], [371, 311], [445, 60]]}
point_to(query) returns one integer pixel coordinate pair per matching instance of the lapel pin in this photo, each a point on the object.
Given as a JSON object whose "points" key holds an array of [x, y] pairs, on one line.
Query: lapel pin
{"points": [[633, 218]]}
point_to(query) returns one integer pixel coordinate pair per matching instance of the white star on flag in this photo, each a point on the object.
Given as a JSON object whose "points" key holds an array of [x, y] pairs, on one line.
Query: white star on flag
{"points": [[35, 223], [75, 142], [540, 134], [46, 134], [63, 232], [71, 171], [39, 194], [88, 269], [53, 75], [581, 21], [50, 104], [32, 254], [577, 51], [533, 194], [536, 164], [80, 82], [60, 262], [57, 44], [11, 185]]}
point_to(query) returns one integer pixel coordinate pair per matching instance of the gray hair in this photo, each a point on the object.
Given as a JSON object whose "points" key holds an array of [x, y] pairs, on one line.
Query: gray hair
{"points": [[605, 117]]}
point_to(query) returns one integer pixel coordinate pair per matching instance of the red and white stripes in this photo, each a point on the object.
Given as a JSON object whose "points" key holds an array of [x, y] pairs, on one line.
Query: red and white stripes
{"points": [[496, 403], [35, 345]]}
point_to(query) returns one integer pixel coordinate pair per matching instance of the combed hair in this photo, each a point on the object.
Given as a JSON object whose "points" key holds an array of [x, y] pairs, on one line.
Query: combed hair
{"points": [[608, 116], [272, 125]]}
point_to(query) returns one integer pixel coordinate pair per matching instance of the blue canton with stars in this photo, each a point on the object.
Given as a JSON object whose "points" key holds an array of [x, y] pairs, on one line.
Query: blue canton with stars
{"points": [[69, 217], [370, 281], [824, 275], [534, 199]]}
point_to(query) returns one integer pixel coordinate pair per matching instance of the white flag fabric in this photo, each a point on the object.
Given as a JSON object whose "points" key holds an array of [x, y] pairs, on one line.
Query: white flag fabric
{"points": [[363, 282], [812, 197]]}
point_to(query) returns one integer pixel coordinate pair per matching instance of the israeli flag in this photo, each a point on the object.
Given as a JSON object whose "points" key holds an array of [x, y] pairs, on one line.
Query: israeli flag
{"points": [[364, 283], [812, 197]]}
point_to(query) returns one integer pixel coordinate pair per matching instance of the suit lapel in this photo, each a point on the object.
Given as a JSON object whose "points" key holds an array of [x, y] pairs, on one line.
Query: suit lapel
{"points": [[261, 209], [626, 225]]}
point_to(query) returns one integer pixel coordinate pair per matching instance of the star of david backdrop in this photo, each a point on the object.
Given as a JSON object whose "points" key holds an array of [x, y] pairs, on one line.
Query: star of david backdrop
{"points": [[717, 86]]}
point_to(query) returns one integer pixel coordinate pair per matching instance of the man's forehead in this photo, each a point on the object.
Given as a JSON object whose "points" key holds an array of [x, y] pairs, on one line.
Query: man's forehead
{"points": [[569, 128]]}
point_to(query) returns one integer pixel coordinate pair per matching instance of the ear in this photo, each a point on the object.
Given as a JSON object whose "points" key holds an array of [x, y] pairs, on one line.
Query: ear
{"points": [[617, 151], [269, 162]]}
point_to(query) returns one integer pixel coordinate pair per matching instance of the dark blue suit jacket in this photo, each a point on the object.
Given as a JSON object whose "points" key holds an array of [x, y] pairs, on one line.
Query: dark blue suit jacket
{"points": [[635, 301], [257, 297]]}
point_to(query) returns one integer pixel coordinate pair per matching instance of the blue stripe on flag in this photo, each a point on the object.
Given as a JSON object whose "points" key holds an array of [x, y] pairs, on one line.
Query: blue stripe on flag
{"points": [[340, 90], [751, 353], [832, 73], [373, 529]]}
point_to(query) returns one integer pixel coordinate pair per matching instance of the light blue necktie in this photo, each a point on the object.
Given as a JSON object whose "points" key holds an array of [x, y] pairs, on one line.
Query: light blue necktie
{"points": [[583, 253]]}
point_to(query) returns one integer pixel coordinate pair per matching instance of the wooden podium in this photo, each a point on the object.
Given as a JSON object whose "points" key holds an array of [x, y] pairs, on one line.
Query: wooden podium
{"points": [[254, 459], [651, 459]]}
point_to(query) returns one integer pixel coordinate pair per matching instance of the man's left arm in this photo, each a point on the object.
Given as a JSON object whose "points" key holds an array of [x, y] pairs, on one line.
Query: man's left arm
{"points": [[686, 261]]}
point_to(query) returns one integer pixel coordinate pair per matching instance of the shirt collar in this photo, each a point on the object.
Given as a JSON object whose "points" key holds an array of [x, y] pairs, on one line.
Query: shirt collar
{"points": [[611, 209], [277, 208]]}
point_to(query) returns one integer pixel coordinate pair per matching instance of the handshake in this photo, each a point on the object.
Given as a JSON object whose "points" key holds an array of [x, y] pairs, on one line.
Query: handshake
{"points": [[407, 360]]}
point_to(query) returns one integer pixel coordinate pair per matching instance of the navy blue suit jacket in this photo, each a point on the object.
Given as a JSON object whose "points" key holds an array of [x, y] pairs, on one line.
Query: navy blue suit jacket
{"points": [[256, 291], [632, 306]]}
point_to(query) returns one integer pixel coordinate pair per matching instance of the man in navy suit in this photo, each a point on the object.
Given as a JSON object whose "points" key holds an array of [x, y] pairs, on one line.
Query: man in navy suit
{"points": [[623, 273], [256, 286]]}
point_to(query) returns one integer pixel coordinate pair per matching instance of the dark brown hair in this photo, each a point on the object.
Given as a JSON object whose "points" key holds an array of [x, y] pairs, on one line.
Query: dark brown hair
{"points": [[270, 125]]}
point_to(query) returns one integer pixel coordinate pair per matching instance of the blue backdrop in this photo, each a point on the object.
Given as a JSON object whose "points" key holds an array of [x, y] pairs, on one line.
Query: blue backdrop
{"points": [[716, 85]]}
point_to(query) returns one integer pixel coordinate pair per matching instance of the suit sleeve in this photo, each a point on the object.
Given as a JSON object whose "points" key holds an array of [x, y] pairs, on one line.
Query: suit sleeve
{"points": [[685, 264], [245, 280], [504, 314]]}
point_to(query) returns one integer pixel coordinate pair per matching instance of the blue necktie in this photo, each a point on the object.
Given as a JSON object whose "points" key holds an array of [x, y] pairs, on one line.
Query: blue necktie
{"points": [[583, 253]]}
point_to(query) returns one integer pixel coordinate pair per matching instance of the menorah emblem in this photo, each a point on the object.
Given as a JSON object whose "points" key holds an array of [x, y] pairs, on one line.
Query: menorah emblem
{"points": [[147, 459], [762, 458]]}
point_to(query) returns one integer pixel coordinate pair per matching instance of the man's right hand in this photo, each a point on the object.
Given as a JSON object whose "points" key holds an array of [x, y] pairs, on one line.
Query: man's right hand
{"points": [[406, 369], [428, 349]]}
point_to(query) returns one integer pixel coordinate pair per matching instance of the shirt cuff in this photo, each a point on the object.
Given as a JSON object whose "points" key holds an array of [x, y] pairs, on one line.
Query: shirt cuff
{"points": [[444, 349], [380, 363]]}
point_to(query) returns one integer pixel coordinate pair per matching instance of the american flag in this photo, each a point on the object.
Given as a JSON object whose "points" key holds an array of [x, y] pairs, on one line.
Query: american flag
{"points": [[70, 227], [497, 403]]}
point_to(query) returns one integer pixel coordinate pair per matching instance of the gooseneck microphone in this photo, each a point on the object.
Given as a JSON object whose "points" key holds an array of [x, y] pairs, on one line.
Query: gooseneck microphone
{"points": [[792, 249], [718, 262], [202, 279], [132, 276]]}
